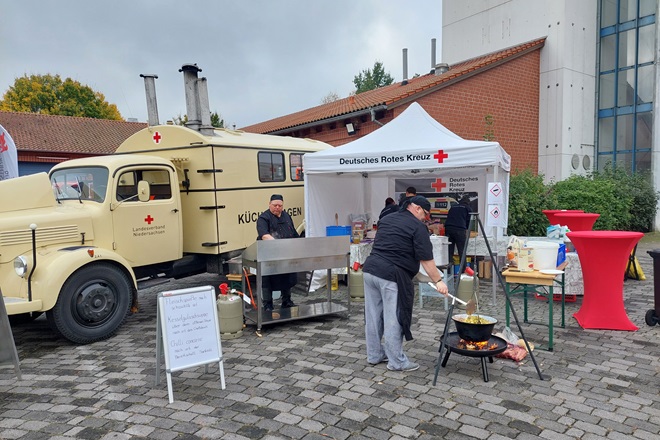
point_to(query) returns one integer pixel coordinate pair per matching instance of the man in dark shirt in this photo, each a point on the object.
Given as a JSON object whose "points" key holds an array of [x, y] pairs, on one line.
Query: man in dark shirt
{"points": [[401, 244], [411, 191], [273, 224], [456, 226]]}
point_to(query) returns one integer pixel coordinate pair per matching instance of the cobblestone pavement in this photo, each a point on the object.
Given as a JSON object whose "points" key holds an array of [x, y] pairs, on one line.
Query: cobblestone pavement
{"points": [[309, 379]]}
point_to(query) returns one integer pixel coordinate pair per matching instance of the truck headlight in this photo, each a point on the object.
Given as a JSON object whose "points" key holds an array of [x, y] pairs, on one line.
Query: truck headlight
{"points": [[20, 266]]}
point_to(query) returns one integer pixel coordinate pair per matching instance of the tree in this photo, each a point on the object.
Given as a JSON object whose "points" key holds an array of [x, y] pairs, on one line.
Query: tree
{"points": [[49, 95], [330, 97], [216, 120], [372, 79]]}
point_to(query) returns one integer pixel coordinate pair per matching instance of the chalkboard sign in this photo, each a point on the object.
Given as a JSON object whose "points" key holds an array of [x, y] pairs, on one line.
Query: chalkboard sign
{"points": [[188, 331], [8, 354]]}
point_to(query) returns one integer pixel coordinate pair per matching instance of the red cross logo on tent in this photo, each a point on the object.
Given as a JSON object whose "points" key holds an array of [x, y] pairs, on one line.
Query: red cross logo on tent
{"points": [[149, 219], [3, 143], [156, 137], [441, 156], [439, 185], [495, 212]]}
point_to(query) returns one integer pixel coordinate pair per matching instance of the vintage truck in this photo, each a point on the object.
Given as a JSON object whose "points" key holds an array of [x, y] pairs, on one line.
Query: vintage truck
{"points": [[171, 202]]}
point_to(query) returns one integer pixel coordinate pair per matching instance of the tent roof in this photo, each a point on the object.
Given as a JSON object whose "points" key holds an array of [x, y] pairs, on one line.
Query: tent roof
{"points": [[412, 140]]}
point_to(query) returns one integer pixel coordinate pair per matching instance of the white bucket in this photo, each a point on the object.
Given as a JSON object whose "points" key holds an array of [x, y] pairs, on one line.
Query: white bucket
{"points": [[545, 254]]}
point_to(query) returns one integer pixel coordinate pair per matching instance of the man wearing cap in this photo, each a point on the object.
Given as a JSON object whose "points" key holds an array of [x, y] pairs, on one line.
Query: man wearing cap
{"points": [[274, 224], [402, 243]]}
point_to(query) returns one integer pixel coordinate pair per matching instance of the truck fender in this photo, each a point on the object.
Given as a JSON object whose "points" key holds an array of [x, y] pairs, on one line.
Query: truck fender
{"points": [[54, 269]]}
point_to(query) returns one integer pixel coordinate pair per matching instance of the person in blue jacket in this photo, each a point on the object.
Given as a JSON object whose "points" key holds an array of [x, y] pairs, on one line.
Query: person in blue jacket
{"points": [[390, 208], [457, 225]]}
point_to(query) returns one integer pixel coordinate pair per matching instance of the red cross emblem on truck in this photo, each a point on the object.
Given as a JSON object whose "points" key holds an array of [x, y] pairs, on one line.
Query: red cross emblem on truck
{"points": [[149, 219], [156, 137]]}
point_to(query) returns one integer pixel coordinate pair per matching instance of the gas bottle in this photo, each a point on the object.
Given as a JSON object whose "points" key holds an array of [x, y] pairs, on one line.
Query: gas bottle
{"points": [[356, 281], [465, 288], [230, 313]]}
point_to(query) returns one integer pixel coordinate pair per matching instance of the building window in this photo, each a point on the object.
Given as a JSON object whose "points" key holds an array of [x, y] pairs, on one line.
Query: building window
{"points": [[626, 83]]}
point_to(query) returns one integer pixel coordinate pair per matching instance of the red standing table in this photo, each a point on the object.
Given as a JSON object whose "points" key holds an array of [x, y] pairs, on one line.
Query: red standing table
{"points": [[577, 221], [550, 213], [603, 257]]}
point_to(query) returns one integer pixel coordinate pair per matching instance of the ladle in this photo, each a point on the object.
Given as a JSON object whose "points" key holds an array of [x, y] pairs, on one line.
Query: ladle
{"points": [[470, 306]]}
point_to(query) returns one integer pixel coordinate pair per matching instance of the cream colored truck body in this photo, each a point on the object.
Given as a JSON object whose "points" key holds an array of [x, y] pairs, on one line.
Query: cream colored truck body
{"points": [[95, 237]]}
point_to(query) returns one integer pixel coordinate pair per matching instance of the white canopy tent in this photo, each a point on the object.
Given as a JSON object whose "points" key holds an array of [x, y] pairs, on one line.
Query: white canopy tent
{"points": [[411, 150]]}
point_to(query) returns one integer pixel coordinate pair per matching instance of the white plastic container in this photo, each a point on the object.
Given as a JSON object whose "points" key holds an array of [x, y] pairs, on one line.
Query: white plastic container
{"points": [[544, 254]]}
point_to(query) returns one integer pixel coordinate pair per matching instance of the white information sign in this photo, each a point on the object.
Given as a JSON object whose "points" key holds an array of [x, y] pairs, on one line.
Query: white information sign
{"points": [[188, 331], [494, 216], [495, 194]]}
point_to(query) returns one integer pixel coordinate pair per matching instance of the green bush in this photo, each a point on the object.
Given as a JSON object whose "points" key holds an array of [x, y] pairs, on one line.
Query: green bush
{"points": [[624, 201], [527, 200], [595, 194]]}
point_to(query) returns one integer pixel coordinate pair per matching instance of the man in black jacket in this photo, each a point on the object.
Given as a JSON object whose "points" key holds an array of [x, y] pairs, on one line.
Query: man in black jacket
{"points": [[402, 243], [276, 223]]}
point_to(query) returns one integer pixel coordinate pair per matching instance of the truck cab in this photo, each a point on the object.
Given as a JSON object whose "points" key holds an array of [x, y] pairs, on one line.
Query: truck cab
{"points": [[71, 242]]}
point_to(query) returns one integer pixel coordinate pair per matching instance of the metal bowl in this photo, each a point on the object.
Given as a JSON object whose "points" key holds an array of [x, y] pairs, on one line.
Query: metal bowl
{"points": [[474, 332]]}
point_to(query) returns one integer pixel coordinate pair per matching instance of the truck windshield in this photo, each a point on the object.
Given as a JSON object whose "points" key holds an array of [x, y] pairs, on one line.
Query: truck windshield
{"points": [[84, 183]]}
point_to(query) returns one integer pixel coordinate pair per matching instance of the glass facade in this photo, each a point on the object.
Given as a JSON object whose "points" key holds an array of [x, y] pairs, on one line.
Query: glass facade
{"points": [[626, 83]]}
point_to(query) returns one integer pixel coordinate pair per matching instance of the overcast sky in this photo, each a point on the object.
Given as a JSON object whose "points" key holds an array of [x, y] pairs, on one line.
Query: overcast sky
{"points": [[262, 58]]}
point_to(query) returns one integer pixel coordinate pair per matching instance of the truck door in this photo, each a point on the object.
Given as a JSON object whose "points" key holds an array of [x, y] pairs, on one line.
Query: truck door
{"points": [[147, 232]]}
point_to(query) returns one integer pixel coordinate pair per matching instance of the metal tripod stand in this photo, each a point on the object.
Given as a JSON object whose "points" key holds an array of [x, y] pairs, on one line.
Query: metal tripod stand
{"points": [[445, 335]]}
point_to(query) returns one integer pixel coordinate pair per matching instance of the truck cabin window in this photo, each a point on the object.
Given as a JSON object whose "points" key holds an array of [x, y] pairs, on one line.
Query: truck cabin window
{"points": [[296, 168], [271, 167], [159, 185], [84, 183]]}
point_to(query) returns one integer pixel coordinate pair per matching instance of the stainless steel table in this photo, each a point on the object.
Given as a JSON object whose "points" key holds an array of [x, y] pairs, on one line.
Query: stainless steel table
{"points": [[271, 257]]}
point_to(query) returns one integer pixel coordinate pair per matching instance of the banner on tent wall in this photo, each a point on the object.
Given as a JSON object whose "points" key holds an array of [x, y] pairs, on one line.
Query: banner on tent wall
{"points": [[8, 156], [444, 192]]}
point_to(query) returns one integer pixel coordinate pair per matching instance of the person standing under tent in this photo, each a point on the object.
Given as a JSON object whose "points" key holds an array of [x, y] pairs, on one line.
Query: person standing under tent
{"points": [[402, 243], [275, 223], [457, 225], [410, 192], [390, 208]]}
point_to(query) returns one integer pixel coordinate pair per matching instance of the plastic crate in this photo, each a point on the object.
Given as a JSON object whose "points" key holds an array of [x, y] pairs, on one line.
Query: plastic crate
{"points": [[557, 297]]}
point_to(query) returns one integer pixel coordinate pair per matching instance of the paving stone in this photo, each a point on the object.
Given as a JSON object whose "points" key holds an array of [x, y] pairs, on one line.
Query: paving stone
{"points": [[310, 379]]}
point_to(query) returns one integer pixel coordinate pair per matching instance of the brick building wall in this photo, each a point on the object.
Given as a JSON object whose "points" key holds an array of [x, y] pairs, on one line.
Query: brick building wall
{"points": [[509, 93]]}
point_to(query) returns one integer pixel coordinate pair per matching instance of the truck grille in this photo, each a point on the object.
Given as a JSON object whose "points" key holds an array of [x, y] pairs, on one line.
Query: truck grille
{"points": [[53, 234]]}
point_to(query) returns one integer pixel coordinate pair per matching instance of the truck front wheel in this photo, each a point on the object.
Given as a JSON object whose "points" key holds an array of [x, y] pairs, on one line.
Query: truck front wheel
{"points": [[92, 304]]}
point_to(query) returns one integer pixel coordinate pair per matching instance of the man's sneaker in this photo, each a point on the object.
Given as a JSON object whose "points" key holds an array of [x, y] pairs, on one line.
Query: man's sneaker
{"points": [[287, 303], [268, 307], [411, 366]]}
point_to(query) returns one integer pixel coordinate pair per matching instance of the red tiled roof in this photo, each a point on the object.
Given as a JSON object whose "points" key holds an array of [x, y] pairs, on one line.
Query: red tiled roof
{"points": [[395, 94], [67, 134]]}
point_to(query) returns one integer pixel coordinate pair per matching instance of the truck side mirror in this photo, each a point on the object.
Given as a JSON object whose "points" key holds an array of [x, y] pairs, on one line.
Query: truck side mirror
{"points": [[144, 193]]}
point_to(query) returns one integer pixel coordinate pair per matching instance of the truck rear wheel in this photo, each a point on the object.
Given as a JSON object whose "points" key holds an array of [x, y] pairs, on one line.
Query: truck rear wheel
{"points": [[92, 304]]}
